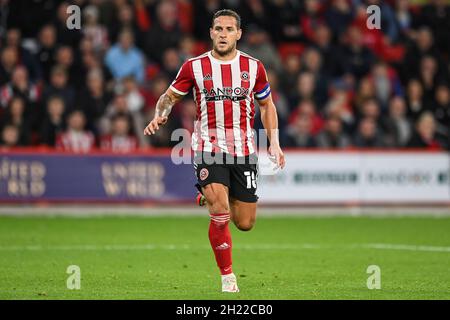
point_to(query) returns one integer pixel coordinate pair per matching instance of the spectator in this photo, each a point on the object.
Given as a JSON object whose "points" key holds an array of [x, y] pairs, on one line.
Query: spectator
{"points": [[124, 59], [307, 108], [76, 138], [14, 39], [286, 28], [171, 62], [414, 99], [60, 86], [16, 116], [187, 48], [368, 135], [65, 58], [9, 61], [291, 70], [311, 18], [120, 140], [339, 16], [278, 97], [93, 31], [429, 77], [388, 21], [255, 12], [423, 46], [94, 99], [10, 137], [91, 62], [365, 91], [436, 15], [386, 83], [257, 44], [355, 58], [157, 87], [333, 136], [339, 106], [203, 11], [65, 36], [442, 112], [331, 71], [306, 89], [166, 32], [119, 105], [125, 19], [406, 20], [135, 99], [54, 122], [46, 49], [370, 109], [299, 133], [20, 86], [280, 101], [396, 125], [323, 42], [424, 135], [188, 115], [312, 62]]}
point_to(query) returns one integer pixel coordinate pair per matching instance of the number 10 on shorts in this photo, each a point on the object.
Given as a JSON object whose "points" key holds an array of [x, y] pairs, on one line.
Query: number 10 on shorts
{"points": [[251, 179]]}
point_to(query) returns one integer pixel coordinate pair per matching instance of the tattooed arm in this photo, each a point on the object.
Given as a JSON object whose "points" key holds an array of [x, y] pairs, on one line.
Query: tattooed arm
{"points": [[162, 110]]}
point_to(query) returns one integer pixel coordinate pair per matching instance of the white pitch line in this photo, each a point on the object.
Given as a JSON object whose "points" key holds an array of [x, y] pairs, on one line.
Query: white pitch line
{"points": [[407, 247], [118, 247], [268, 246]]}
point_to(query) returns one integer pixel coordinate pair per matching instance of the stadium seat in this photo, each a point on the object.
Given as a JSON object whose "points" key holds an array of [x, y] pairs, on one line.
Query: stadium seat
{"points": [[393, 53], [287, 48], [200, 47]]}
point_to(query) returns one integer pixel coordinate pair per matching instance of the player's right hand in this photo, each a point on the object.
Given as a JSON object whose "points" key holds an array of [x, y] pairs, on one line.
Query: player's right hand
{"points": [[154, 125]]}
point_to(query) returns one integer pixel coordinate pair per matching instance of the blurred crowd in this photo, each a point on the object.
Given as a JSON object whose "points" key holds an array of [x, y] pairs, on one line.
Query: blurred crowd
{"points": [[336, 83]]}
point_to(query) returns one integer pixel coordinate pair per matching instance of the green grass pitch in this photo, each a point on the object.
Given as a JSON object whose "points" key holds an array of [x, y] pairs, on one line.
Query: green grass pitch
{"points": [[170, 258]]}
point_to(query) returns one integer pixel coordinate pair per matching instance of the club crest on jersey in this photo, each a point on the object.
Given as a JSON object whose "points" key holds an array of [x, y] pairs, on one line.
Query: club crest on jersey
{"points": [[245, 76], [204, 173], [225, 93]]}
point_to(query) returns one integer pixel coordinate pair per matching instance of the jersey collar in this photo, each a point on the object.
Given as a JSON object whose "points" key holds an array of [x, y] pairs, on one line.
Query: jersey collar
{"points": [[221, 61]]}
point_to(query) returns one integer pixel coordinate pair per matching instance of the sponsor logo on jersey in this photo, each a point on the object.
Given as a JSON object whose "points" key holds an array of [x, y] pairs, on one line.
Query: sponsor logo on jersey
{"points": [[225, 93]]}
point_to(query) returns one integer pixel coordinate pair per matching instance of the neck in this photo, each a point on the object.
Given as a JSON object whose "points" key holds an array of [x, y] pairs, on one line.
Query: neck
{"points": [[227, 57]]}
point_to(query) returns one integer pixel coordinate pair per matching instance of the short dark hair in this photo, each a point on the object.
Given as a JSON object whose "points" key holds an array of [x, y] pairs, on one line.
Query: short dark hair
{"points": [[230, 13]]}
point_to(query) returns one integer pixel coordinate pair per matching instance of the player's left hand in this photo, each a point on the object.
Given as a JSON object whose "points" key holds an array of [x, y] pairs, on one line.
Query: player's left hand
{"points": [[278, 155]]}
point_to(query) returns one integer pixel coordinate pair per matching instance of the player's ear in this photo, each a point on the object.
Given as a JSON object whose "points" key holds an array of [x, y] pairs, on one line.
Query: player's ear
{"points": [[239, 34]]}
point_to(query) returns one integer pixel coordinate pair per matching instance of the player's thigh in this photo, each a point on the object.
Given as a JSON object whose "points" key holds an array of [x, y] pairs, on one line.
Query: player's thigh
{"points": [[243, 213], [213, 181], [243, 182]]}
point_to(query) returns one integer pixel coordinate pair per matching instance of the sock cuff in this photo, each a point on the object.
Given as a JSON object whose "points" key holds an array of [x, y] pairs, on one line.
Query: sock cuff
{"points": [[220, 217]]}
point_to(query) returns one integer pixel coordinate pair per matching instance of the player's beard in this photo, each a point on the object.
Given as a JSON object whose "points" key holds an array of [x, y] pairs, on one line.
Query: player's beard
{"points": [[225, 52]]}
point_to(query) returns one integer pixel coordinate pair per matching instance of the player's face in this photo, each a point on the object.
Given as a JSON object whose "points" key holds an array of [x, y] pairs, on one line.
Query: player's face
{"points": [[224, 34]]}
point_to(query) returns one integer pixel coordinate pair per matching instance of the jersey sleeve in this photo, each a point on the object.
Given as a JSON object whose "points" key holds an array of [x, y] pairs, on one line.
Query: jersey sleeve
{"points": [[184, 81], [262, 86]]}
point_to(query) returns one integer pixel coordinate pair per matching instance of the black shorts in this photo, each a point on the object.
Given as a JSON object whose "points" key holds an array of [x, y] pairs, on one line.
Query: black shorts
{"points": [[239, 174]]}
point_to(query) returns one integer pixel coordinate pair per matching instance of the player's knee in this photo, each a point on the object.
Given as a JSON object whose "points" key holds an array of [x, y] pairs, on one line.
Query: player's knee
{"points": [[218, 205], [245, 225]]}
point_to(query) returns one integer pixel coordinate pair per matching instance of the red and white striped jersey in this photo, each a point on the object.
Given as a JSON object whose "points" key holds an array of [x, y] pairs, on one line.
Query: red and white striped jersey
{"points": [[223, 92]]}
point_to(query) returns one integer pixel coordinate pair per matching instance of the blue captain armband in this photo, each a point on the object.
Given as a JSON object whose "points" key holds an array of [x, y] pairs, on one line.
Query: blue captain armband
{"points": [[264, 93]]}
